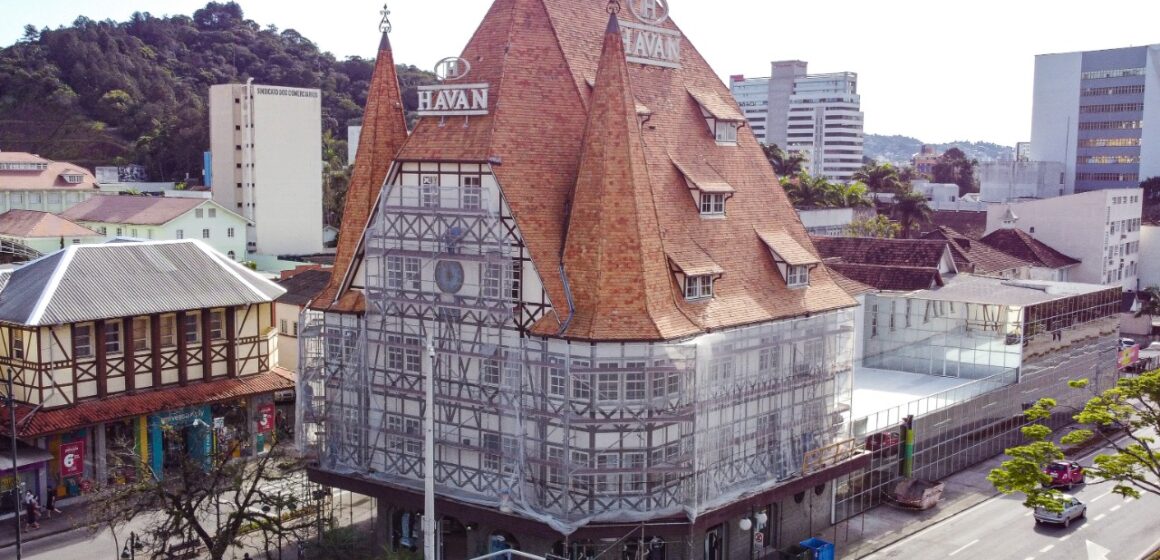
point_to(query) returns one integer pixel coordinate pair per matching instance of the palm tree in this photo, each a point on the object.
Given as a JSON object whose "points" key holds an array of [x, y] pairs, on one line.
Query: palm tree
{"points": [[880, 177], [805, 191], [911, 210], [784, 165], [850, 195]]}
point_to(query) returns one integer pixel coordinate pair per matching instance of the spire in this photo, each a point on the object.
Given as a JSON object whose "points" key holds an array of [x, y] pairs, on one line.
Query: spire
{"points": [[612, 246], [384, 129]]}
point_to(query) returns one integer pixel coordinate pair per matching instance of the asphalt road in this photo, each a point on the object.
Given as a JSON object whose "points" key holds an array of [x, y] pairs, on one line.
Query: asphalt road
{"points": [[1001, 528]]}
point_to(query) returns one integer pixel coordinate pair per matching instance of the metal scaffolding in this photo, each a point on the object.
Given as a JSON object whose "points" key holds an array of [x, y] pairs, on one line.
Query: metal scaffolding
{"points": [[564, 432]]}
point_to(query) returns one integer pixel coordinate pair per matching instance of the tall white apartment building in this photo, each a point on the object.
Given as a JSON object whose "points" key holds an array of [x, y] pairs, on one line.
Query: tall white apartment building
{"points": [[1101, 228], [266, 145], [752, 94], [816, 115]]}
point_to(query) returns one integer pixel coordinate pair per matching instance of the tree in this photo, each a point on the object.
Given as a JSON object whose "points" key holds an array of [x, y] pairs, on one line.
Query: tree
{"points": [[1149, 302], [954, 167], [911, 211], [213, 501], [879, 226], [849, 195], [880, 178], [1123, 418], [805, 191], [784, 165]]}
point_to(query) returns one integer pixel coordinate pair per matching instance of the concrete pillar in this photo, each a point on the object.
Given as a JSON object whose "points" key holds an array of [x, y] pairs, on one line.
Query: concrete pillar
{"points": [[102, 469], [384, 530]]}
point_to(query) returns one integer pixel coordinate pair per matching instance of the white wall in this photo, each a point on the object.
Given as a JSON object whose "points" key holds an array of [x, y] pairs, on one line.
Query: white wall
{"points": [[287, 171], [1078, 226], [1149, 256], [1055, 110], [287, 337], [190, 227], [48, 200]]}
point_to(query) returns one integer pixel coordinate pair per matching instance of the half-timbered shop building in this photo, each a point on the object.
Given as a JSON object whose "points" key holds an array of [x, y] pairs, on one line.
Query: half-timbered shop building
{"points": [[632, 339], [157, 351]]}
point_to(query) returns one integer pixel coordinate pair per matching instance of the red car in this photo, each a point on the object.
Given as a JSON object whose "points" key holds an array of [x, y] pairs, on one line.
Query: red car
{"points": [[1064, 474], [883, 441]]}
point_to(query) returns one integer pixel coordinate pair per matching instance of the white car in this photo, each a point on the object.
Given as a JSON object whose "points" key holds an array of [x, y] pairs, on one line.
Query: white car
{"points": [[1072, 509]]}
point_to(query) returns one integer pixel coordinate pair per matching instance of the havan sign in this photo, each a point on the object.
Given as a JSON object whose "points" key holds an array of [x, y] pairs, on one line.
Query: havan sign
{"points": [[647, 42], [452, 100]]}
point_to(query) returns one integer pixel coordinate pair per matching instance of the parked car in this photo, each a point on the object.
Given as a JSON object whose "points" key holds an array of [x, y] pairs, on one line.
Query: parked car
{"points": [[1064, 473], [1072, 509], [883, 441], [1126, 343]]}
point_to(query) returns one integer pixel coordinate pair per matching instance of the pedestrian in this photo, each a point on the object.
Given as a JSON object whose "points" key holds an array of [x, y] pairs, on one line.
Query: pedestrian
{"points": [[246, 556], [32, 514], [50, 505]]}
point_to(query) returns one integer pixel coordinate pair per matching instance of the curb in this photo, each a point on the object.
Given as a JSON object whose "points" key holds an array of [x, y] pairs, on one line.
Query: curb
{"points": [[37, 534]]}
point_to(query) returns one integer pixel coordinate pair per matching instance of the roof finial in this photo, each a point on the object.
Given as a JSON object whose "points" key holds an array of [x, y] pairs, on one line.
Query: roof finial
{"points": [[613, 7], [385, 24]]}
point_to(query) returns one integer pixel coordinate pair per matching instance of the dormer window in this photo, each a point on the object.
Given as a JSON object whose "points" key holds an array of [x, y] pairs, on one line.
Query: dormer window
{"points": [[722, 117], [726, 132], [698, 287], [793, 261], [799, 276], [712, 204], [73, 178]]}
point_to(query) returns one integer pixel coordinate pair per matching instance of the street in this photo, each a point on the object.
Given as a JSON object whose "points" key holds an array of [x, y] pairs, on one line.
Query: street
{"points": [[1002, 528]]}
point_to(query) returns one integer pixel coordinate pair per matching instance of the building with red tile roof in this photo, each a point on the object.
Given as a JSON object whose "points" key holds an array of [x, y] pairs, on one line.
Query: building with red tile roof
{"points": [[612, 282], [30, 182], [1053, 264], [977, 257], [27, 234]]}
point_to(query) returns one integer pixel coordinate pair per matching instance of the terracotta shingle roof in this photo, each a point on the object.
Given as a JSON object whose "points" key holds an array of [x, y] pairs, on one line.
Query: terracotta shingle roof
{"points": [[715, 106], [119, 407], [971, 223], [384, 129], [30, 223], [1020, 243], [529, 51], [975, 256], [894, 278], [50, 177], [786, 248], [135, 210], [877, 251], [852, 287]]}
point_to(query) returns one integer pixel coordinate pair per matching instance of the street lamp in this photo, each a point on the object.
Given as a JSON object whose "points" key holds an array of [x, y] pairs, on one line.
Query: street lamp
{"points": [[756, 524]]}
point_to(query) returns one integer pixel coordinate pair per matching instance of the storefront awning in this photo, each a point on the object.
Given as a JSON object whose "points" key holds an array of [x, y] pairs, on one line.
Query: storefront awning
{"points": [[25, 455], [119, 407]]}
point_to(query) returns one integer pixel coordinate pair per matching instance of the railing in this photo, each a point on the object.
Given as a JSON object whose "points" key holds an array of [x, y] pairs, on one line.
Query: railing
{"points": [[893, 416]]}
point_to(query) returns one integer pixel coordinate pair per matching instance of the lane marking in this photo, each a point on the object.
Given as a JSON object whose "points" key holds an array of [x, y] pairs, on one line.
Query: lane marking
{"points": [[1065, 537], [964, 547], [1026, 514], [1114, 508], [1099, 517], [1105, 494], [1047, 548]]}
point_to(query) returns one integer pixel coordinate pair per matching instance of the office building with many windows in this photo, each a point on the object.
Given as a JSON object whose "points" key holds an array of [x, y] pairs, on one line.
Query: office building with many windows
{"points": [[1098, 112]]}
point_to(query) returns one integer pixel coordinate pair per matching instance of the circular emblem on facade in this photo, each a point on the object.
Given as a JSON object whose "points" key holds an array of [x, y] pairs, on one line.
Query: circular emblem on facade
{"points": [[652, 12], [452, 68], [449, 276]]}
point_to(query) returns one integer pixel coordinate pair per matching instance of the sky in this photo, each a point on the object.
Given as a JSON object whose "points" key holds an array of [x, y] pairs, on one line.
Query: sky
{"points": [[935, 70]]}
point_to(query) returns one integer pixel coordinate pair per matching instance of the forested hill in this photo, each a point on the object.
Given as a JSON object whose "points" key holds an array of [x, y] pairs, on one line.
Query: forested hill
{"points": [[103, 92]]}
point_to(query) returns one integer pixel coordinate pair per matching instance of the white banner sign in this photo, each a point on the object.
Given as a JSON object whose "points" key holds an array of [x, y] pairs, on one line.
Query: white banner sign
{"points": [[645, 44], [452, 100]]}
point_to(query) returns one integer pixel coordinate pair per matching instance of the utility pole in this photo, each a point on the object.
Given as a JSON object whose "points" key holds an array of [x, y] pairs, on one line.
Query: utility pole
{"points": [[15, 474], [429, 456]]}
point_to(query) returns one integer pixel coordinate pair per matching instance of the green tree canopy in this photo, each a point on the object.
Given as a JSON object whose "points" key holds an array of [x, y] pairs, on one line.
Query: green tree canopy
{"points": [[784, 164], [880, 178], [878, 226], [1124, 418], [954, 167], [911, 211]]}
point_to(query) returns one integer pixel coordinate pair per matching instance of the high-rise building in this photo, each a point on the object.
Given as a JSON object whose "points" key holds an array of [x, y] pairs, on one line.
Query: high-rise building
{"points": [[1098, 112], [816, 115], [266, 145]]}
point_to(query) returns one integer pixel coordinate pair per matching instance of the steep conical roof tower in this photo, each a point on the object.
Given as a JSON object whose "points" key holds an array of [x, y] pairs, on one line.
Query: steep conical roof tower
{"points": [[613, 244], [384, 129]]}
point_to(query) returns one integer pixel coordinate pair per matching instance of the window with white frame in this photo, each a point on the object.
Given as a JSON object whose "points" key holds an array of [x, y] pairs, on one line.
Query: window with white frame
{"points": [[492, 280], [607, 387], [412, 357], [557, 382], [582, 382], [489, 372], [634, 385], [205, 233], [634, 481], [712, 204], [607, 483], [217, 321], [698, 287], [726, 132], [112, 337], [412, 273], [180, 233], [554, 473], [429, 196], [198, 213], [229, 232], [168, 330], [580, 460], [769, 359], [413, 445], [798, 276], [394, 272], [472, 193], [192, 324], [18, 344], [213, 212]]}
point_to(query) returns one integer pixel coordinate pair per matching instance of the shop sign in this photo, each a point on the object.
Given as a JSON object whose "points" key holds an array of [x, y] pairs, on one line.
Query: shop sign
{"points": [[266, 418], [72, 458], [655, 46], [452, 100]]}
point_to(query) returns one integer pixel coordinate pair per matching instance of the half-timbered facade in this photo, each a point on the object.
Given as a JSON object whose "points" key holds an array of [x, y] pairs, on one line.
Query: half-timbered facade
{"points": [[628, 324], [167, 348]]}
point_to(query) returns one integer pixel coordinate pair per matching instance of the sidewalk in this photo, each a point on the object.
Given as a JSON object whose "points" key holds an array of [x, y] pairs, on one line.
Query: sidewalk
{"points": [[72, 518]]}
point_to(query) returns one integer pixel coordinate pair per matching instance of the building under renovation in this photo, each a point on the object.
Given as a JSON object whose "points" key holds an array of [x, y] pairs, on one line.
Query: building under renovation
{"points": [[634, 342]]}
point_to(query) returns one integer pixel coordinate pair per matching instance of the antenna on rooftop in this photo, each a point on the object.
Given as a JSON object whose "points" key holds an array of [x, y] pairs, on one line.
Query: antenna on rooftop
{"points": [[613, 7], [385, 24]]}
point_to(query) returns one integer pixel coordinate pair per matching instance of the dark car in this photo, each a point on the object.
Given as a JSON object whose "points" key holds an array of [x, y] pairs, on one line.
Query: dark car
{"points": [[1064, 474], [884, 441]]}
